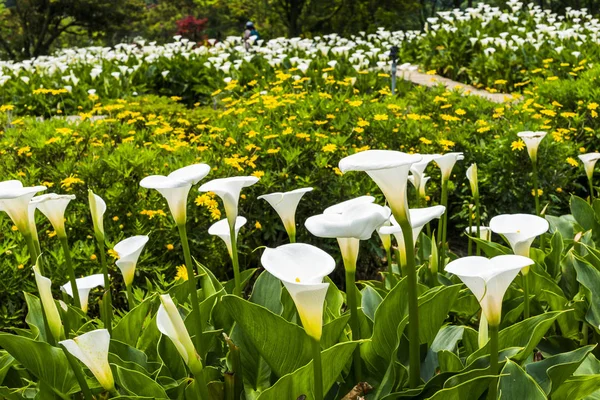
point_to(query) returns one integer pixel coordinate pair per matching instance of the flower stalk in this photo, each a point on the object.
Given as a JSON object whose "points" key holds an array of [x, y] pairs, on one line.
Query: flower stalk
{"points": [[318, 368], [493, 332], [67, 251]]}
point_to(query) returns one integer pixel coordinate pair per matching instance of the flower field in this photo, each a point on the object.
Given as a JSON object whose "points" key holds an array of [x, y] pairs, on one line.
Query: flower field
{"points": [[170, 214]]}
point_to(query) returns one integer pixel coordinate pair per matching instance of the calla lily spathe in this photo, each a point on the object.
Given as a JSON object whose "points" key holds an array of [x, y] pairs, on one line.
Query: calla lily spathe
{"points": [[446, 163], [44, 286], [589, 161], [520, 230], [129, 251], [221, 229], [97, 209], [170, 324], [473, 181], [53, 206], [419, 217], [489, 279], [285, 204], [176, 186], [15, 201], [418, 169], [485, 233], [91, 349], [532, 141], [84, 285], [229, 189], [302, 267]]}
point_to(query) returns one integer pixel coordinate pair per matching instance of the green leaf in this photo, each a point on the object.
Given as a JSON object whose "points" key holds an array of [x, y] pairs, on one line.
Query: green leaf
{"points": [[583, 213], [491, 249], [300, 382], [446, 340], [333, 330], [130, 327], [434, 306], [245, 276], [553, 258], [449, 362], [49, 364], [370, 301], [553, 371], [284, 346], [471, 389], [514, 383], [267, 293], [578, 387], [171, 359], [34, 317], [139, 384], [589, 277], [255, 370], [563, 224]]}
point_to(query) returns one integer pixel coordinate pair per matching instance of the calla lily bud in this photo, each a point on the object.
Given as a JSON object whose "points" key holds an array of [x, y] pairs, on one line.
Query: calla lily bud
{"points": [[489, 279], [53, 206], [285, 205], [485, 233], [589, 161], [84, 285], [97, 208], [446, 163], [229, 189], [91, 349], [419, 217], [302, 267], [129, 251], [520, 230], [170, 324], [532, 141], [15, 199], [418, 169], [472, 177], [52, 315], [176, 186], [221, 229]]}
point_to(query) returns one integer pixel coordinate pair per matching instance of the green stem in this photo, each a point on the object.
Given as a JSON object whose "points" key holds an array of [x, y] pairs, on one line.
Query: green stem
{"points": [[236, 264], [470, 246], [493, 332], [414, 370], [108, 305], [65, 245], [197, 324], [130, 299], [354, 324], [584, 334], [535, 188], [32, 251], [201, 385], [591, 191], [525, 296], [478, 222], [87, 394], [388, 254], [442, 226], [292, 237], [317, 368]]}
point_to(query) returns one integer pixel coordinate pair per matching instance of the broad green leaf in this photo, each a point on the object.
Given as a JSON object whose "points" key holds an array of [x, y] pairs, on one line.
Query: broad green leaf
{"points": [[255, 370], [245, 276], [446, 340], [578, 387], [334, 299], [553, 258], [49, 364], [131, 354], [34, 317], [267, 293], [553, 371], [583, 213], [6, 361], [131, 326], [171, 359], [139, 384], [449, 361], [333, 330], [370, 301], [434, 306], [471, 389], [491, 249], [300, 382], [589, 277], [563, 224], [514, 383], [284, 346]]}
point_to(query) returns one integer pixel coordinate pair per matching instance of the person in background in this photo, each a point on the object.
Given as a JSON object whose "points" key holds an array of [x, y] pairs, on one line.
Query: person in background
{"points": [[248, 33]]}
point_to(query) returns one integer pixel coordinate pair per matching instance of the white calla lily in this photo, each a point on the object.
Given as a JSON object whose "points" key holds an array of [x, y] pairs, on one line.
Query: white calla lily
{"points": [[229, 189], [589, 161], [285, 204], [53, 206], [302, 267], [221, 229], [446, 163], [520, 230], [489, 279], [15, 201], [357, 221], [472, 177], [386, 238], [418, 169], [176, 186], [44, 286], [532, 141], [129, 251], [485, 233], [91, 349], [97, 209], [84, 285]]}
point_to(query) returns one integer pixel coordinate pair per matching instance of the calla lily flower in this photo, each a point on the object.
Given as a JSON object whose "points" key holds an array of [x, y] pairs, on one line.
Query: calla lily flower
{"points": [[15, 199], [170, 324], [418, 169], [285, 205], [91, 349], [97, 208], [302, 267], [419, 217], [229, 189], [129, 251], [53, 206], [84, 285], [44, 286], [386, 238], [489, 279], [176, 186], [472, 177], [520, 230], [532, 141], [344, 205], [589, 161], [422, 185], [221, 229], [388, 169], [446, 163], [485, 233]]}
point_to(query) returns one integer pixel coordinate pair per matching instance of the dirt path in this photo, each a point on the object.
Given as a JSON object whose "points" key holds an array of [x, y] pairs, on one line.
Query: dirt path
{"points": [[421, 78]]}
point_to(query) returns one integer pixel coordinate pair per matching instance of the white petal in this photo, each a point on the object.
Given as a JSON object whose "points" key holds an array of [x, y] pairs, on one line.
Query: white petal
{"points": [[170, 324], [298, 263], [285, 205], [309, 300], [377, 159], [344, 205], [53, 206], [221, 229], [519, 229], [228, 189], [191, 174]]}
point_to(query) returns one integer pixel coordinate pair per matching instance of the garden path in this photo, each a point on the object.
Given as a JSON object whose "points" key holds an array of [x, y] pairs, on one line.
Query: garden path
{"points": [[420, 78]]}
